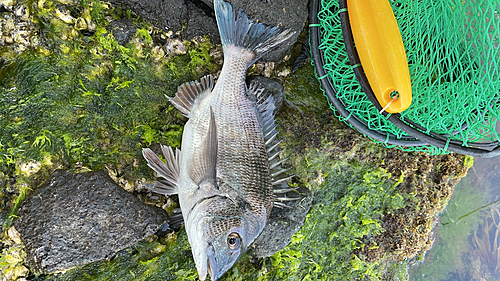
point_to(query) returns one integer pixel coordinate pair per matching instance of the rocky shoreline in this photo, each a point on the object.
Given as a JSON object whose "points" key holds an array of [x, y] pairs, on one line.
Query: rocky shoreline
{"points": [[83, 91]]}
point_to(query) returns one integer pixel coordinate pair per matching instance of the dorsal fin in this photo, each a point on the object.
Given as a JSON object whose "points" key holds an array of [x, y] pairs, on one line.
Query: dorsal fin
{"points": [[188, 92], [265, 106], [264, 103], [169, 170], [203, 162]]}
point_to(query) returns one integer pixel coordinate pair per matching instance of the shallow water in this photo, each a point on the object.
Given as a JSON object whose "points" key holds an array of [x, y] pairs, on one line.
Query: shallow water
{"points": [[462, 250]]}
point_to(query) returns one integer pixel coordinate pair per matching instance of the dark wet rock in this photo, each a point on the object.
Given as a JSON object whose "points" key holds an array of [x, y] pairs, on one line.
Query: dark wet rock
{"points": [[123, 30], [200, 24], [282, 224], [75, 219], [165, 14], [273, 87], [194, 19], [285, 14]]}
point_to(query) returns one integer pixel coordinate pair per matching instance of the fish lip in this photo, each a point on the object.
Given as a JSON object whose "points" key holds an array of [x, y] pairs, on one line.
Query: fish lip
{"points": [[213, 269]]}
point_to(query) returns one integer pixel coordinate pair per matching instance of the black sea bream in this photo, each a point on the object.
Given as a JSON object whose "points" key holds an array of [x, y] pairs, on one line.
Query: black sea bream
{"points": [[223, 173]]}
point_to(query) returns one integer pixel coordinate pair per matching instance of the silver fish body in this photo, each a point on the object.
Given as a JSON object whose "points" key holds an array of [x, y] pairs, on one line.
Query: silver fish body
{"points": [[222, 174], [243, 196]]}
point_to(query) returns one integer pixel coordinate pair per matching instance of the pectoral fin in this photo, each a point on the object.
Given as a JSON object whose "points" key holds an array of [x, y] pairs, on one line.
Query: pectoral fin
{"points": [[169, 171], [204, 160]]}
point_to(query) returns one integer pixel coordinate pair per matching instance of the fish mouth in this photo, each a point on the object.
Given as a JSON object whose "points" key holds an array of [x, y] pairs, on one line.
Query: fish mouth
{"points": [[212, 264]]}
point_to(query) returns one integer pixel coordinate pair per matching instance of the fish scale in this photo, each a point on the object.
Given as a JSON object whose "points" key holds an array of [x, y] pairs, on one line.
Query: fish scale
{"points": [[241, 143]]}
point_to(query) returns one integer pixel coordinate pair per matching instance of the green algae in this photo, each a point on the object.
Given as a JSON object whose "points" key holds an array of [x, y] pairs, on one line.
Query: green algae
{"points": [[79, 100], [345, 213], [87, 100]]}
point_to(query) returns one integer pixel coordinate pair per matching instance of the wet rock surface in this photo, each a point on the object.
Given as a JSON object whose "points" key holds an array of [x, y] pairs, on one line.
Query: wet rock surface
{"points": [[123, 30], [168, 15], [285, 14], [171, 15], [75, 219], [282, 224], [201, 22]]}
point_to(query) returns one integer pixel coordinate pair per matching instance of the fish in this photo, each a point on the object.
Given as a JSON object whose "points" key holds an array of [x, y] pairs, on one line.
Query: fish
{"points": [[226, 175]]}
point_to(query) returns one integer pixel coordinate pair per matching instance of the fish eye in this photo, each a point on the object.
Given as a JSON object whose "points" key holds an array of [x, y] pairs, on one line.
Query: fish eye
{"points": [[233, 241]]}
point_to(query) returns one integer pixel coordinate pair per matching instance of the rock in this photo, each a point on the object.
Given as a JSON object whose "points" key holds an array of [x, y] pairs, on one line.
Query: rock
{"points": [[200, 23], [282, 224], [285, 14], [75, 219], [167, 15], [273, 87], [123, 30]]}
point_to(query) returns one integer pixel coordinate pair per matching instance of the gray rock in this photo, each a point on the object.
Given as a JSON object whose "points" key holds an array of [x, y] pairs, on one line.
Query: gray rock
{"points": [[75, 219], [165, 14], [123, 30], [200, 24], [171, 15], [273, 87], [283, 224]]}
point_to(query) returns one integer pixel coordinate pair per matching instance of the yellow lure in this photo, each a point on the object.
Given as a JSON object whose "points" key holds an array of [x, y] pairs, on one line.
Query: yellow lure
{"points": [[381, 51]]}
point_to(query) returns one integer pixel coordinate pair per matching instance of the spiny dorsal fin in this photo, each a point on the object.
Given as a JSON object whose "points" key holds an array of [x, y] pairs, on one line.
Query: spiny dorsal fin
{"points": [[203, 165], [169, 170], [265, 111], [188, 92], [264, 103]]}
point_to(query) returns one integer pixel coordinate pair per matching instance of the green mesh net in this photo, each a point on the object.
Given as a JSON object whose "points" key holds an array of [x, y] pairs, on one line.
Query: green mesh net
{"points": [[453, 56]]}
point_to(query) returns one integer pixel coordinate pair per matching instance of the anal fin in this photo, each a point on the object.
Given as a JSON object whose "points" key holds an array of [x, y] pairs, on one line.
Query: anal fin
{"points": [[187, 93], [203, 162]]}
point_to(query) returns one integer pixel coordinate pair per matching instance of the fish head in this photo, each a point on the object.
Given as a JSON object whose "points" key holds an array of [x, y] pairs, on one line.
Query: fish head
{"points": [[220, 231]]}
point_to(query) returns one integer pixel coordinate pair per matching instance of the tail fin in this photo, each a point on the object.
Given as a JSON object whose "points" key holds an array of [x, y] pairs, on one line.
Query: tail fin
{"points": [[246, 33]]}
